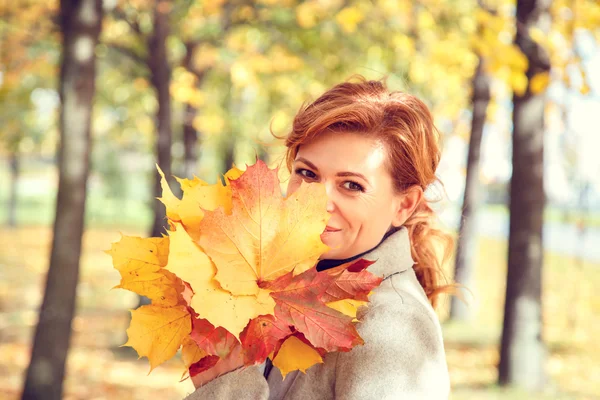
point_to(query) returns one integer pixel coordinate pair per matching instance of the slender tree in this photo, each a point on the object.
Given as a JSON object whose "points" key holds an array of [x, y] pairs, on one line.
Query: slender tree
{"points": [[522, 351], [80, 22], [466, 251], [160, 76]]}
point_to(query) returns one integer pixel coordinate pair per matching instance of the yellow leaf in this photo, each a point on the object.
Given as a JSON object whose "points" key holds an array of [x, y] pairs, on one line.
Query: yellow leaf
{"points": [[538, 35], [518, 82], [306, 14], [349, 18], [187, 184], [138, 258], [210, 301], [233, 174], [163, 291], [266, 235], [170, 201], [295, 354], [197, 196], [191, 353], [347, 307], [157, 332], [539, 82]]}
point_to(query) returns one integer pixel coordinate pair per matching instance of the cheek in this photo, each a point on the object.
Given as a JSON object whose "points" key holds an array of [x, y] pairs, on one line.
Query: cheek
{"points": [[370, 216]]}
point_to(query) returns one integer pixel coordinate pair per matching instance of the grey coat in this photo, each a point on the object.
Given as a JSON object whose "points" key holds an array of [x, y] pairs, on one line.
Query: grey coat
{"points": [[403, 356]]}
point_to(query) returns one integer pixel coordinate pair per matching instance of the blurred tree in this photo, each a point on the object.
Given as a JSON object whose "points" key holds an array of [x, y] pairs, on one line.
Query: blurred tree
{"points": [[466, 251], [522, 353], [80, 22], [160, 76], [466, 247], [146, 46]]}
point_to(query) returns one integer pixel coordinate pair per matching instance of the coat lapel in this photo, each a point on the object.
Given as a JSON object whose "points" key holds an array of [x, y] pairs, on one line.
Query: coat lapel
{"points": [[392, 256]]}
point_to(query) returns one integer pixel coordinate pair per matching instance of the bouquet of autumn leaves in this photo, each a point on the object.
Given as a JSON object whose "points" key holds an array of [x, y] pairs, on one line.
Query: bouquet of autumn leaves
{"points": [[237, 268]]}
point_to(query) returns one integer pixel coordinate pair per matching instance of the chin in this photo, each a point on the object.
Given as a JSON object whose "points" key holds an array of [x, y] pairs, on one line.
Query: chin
{"points": [[332, 254]]}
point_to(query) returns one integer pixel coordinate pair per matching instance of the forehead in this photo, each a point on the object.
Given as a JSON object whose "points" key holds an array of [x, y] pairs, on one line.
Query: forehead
{"points": [[344, 151]]}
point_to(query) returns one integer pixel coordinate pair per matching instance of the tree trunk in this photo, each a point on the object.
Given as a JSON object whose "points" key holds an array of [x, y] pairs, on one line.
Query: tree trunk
{"points": [[523, 353], [466, 251], [190, 142], [81, 24], [160, 72], [14, 179], [228, 155], [228, 140]]}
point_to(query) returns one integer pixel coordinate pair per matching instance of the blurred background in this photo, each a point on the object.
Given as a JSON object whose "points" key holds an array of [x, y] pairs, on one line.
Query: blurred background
{"points": [[197, 85]]}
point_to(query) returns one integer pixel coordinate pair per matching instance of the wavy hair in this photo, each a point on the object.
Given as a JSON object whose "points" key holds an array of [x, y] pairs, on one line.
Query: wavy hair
{"points": [[404, 124]]}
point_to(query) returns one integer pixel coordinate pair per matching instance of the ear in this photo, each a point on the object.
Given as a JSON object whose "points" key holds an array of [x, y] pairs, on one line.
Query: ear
{"points": [[406, 204]]}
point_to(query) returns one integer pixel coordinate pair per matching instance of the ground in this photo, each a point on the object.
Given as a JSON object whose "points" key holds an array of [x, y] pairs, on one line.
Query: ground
{"points": [[99, 369]]}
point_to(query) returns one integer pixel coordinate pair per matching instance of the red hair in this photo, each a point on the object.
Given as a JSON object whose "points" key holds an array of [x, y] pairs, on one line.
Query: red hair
{"points": [[404, 124]]}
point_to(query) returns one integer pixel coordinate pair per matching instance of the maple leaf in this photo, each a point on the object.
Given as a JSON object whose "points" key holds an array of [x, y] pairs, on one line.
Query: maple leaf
{"points": [[215, 341], [347, 307], [265, 235], [301, 303], [203, 364], [198, 196], [158, 332], [134, 256], [295, 354], [210, 301], [238, 262], [191, 353], [261, 337], [140, 262]]}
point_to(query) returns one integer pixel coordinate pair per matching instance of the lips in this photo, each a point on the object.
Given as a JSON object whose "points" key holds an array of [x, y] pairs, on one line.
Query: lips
{"points": [[330, 229]]}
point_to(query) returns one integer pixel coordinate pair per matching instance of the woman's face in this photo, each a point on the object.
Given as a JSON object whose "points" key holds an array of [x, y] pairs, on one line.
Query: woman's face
{"points": [[362, 201]]}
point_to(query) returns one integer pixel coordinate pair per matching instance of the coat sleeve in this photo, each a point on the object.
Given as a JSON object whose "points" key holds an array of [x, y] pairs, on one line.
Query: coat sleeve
{"points": [[244, 383], [403, 357]]}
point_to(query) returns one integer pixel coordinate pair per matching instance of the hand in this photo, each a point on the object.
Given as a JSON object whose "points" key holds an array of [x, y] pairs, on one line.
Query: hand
{"points": [[233, 361]]}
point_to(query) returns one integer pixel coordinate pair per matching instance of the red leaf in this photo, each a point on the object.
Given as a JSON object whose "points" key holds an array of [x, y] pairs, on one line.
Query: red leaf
{"points": [[359, 265], [322, 326], [330, 285], [203, 364], [214, 341], [350, 285], [261, 336]]}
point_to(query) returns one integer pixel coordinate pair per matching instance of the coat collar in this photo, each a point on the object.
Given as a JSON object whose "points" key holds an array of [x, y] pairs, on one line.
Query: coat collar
{"points": [[392, 256]]}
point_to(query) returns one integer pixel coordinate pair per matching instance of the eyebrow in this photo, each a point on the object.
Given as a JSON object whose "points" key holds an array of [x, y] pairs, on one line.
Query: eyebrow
{"points": [[344, 173]]}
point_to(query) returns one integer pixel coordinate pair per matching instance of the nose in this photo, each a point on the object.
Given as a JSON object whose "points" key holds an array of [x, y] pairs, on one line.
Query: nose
{"points": [[330, 200]]}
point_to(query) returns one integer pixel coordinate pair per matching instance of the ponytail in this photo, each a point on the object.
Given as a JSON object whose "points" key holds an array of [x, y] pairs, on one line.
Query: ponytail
{"points": [[431, 248]]}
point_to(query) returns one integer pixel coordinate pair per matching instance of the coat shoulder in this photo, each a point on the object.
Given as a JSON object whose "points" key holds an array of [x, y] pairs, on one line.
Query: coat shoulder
{"points": [[403, 355]]}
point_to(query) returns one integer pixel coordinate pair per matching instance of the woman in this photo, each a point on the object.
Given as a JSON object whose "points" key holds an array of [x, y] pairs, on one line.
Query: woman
{"points": [[375, 152]]}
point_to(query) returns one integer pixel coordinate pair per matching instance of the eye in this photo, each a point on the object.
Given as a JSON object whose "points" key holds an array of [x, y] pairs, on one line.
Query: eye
{"points": [[305, 173], [353, 186]]}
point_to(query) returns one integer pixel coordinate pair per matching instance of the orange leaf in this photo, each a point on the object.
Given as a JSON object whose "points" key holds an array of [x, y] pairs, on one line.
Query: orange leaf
{"points": [[262, 336], [265, 236]]}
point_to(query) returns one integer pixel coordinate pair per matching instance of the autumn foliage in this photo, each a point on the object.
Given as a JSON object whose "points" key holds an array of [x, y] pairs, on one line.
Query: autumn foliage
{"points": [[237, 268]]}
